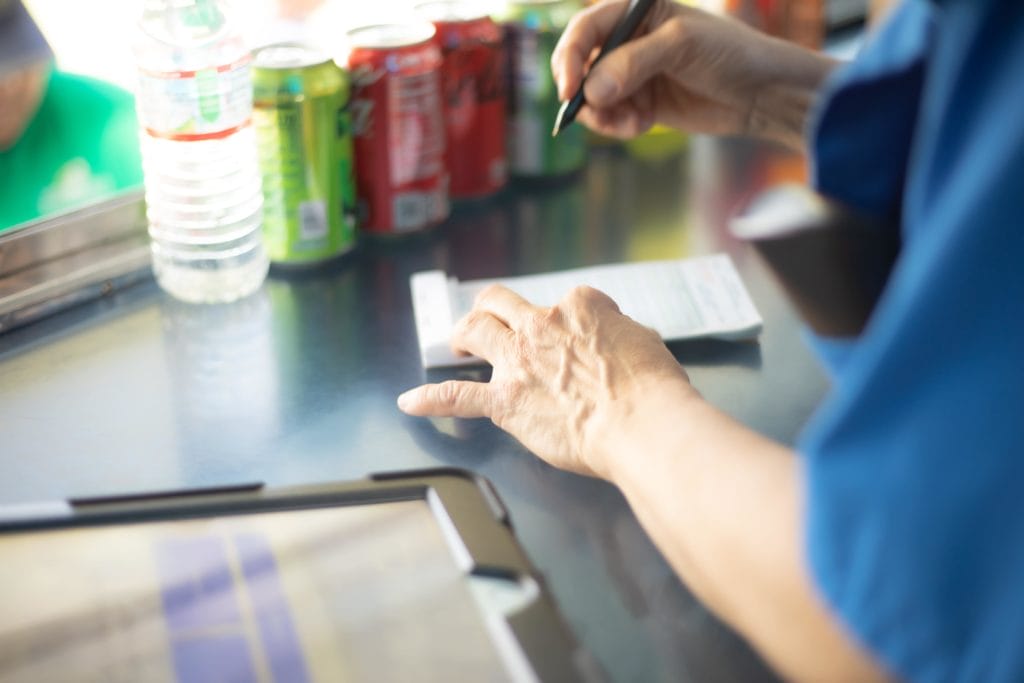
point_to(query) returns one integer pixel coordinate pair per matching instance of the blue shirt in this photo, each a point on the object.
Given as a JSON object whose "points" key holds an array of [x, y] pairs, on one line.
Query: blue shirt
{"points": [[915, 463]]}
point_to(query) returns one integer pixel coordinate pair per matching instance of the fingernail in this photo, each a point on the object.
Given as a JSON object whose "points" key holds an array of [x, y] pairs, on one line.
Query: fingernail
{"points": [[562, 97], [601, 88], [405, 400], [561, 84]]}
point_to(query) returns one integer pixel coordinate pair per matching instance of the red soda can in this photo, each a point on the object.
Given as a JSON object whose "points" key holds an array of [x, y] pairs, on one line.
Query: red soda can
{"points": [[398, 127], [473, 82]]}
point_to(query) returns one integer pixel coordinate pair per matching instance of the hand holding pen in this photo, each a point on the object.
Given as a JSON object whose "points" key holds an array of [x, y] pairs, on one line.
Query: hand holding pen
{"points": [[636, 12], [686, 69]]}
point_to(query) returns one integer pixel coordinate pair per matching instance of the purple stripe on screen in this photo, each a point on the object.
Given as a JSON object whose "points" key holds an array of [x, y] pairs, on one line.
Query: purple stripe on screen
{"points": [[197, 587], [270, 605], [207, 637], [213, 659]]}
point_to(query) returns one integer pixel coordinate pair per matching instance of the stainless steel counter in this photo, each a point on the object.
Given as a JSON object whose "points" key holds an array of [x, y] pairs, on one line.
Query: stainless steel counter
{"points": [[298, 384]]}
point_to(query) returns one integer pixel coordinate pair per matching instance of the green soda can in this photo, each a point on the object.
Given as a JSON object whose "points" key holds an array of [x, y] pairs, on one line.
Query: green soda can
{"points": [[301, 118], [532, 29]]}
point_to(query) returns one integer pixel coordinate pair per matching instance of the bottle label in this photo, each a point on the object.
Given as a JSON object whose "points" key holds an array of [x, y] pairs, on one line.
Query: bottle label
{"points": [[196, 105]]}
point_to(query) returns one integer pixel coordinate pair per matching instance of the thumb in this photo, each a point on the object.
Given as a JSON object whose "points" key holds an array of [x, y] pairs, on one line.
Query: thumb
{"points": [[626, 69], [449, 399]]}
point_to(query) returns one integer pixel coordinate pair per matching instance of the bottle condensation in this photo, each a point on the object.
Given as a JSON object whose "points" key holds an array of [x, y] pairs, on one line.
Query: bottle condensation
{"points": [[204, 199]]}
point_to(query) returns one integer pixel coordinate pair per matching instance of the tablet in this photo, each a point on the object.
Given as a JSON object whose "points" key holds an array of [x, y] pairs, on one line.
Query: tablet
{"points": [[415, 576]]}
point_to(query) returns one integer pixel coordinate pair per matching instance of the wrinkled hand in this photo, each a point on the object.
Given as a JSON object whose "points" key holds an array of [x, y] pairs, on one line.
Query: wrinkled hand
{"points": [[564, 377], [689, 70]]}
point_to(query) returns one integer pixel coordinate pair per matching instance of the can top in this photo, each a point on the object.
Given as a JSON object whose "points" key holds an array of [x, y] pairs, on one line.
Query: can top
{"points": [[539, 15], [391, 35], [288, 56], [451, 10]]}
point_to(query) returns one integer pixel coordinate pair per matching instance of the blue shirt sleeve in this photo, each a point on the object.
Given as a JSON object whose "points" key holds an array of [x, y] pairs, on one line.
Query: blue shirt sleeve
{"points": [[915, 463]]}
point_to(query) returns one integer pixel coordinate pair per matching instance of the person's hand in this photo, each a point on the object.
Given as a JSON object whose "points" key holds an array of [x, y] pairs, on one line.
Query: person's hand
{"points": [[565, 378], [689, 70]]}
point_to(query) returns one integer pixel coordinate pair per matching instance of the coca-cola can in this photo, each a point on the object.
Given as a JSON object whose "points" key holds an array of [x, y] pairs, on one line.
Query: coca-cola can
{"points": [[398, 127], [473, 83]]}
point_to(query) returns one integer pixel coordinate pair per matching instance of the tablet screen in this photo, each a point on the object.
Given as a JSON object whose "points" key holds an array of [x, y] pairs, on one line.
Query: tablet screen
{"points": [[368, 592]]}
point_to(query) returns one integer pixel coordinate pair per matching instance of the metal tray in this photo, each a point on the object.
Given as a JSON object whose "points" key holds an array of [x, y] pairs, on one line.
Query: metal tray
{"points": [[56, 262]]}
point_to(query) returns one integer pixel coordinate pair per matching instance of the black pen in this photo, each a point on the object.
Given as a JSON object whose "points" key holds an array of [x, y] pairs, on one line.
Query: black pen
{"points": [[627, 26]]}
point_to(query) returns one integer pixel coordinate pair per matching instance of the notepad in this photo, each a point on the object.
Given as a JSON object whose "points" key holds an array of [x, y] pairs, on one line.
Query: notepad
{"points": [[680, 299]]}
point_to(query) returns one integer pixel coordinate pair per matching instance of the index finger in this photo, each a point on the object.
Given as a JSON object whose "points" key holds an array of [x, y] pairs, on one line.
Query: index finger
{"points": [[505, 305], [451, 398], [586, 30]]}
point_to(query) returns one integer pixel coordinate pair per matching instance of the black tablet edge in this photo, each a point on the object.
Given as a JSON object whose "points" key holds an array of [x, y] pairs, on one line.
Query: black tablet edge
{"points": [[473, 507]]}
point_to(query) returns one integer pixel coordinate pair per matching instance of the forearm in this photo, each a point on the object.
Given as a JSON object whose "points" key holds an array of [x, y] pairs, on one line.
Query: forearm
{"points": [[724, 505]]}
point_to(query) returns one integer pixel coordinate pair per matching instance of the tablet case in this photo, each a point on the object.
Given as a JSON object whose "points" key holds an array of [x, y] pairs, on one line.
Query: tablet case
{"points": [[465, 506]]}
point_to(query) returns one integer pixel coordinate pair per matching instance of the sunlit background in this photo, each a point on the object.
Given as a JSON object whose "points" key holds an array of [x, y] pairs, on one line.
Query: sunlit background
{"points": [[93, 38]]}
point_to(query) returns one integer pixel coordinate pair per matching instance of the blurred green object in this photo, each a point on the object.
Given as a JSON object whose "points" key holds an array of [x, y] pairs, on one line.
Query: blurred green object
{"points": [[81, 146], [532, 29]]}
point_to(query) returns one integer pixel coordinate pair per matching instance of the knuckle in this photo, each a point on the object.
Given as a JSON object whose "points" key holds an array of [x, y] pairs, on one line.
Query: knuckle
{"points": [[576, 295], [522, 346], [677, 28], [678, 34], [470, 320], [534, 327], [586, 295], [552, 317], [608, 302], [571, 307], [486, 293], [447, 394]]}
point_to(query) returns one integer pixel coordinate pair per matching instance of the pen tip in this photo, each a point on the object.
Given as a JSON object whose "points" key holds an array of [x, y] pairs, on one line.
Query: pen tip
{"points": [[560, 119]]}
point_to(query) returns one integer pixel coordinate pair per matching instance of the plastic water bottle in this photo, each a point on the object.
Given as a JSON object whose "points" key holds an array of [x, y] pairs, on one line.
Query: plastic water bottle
{"points": [[204, 197]]}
